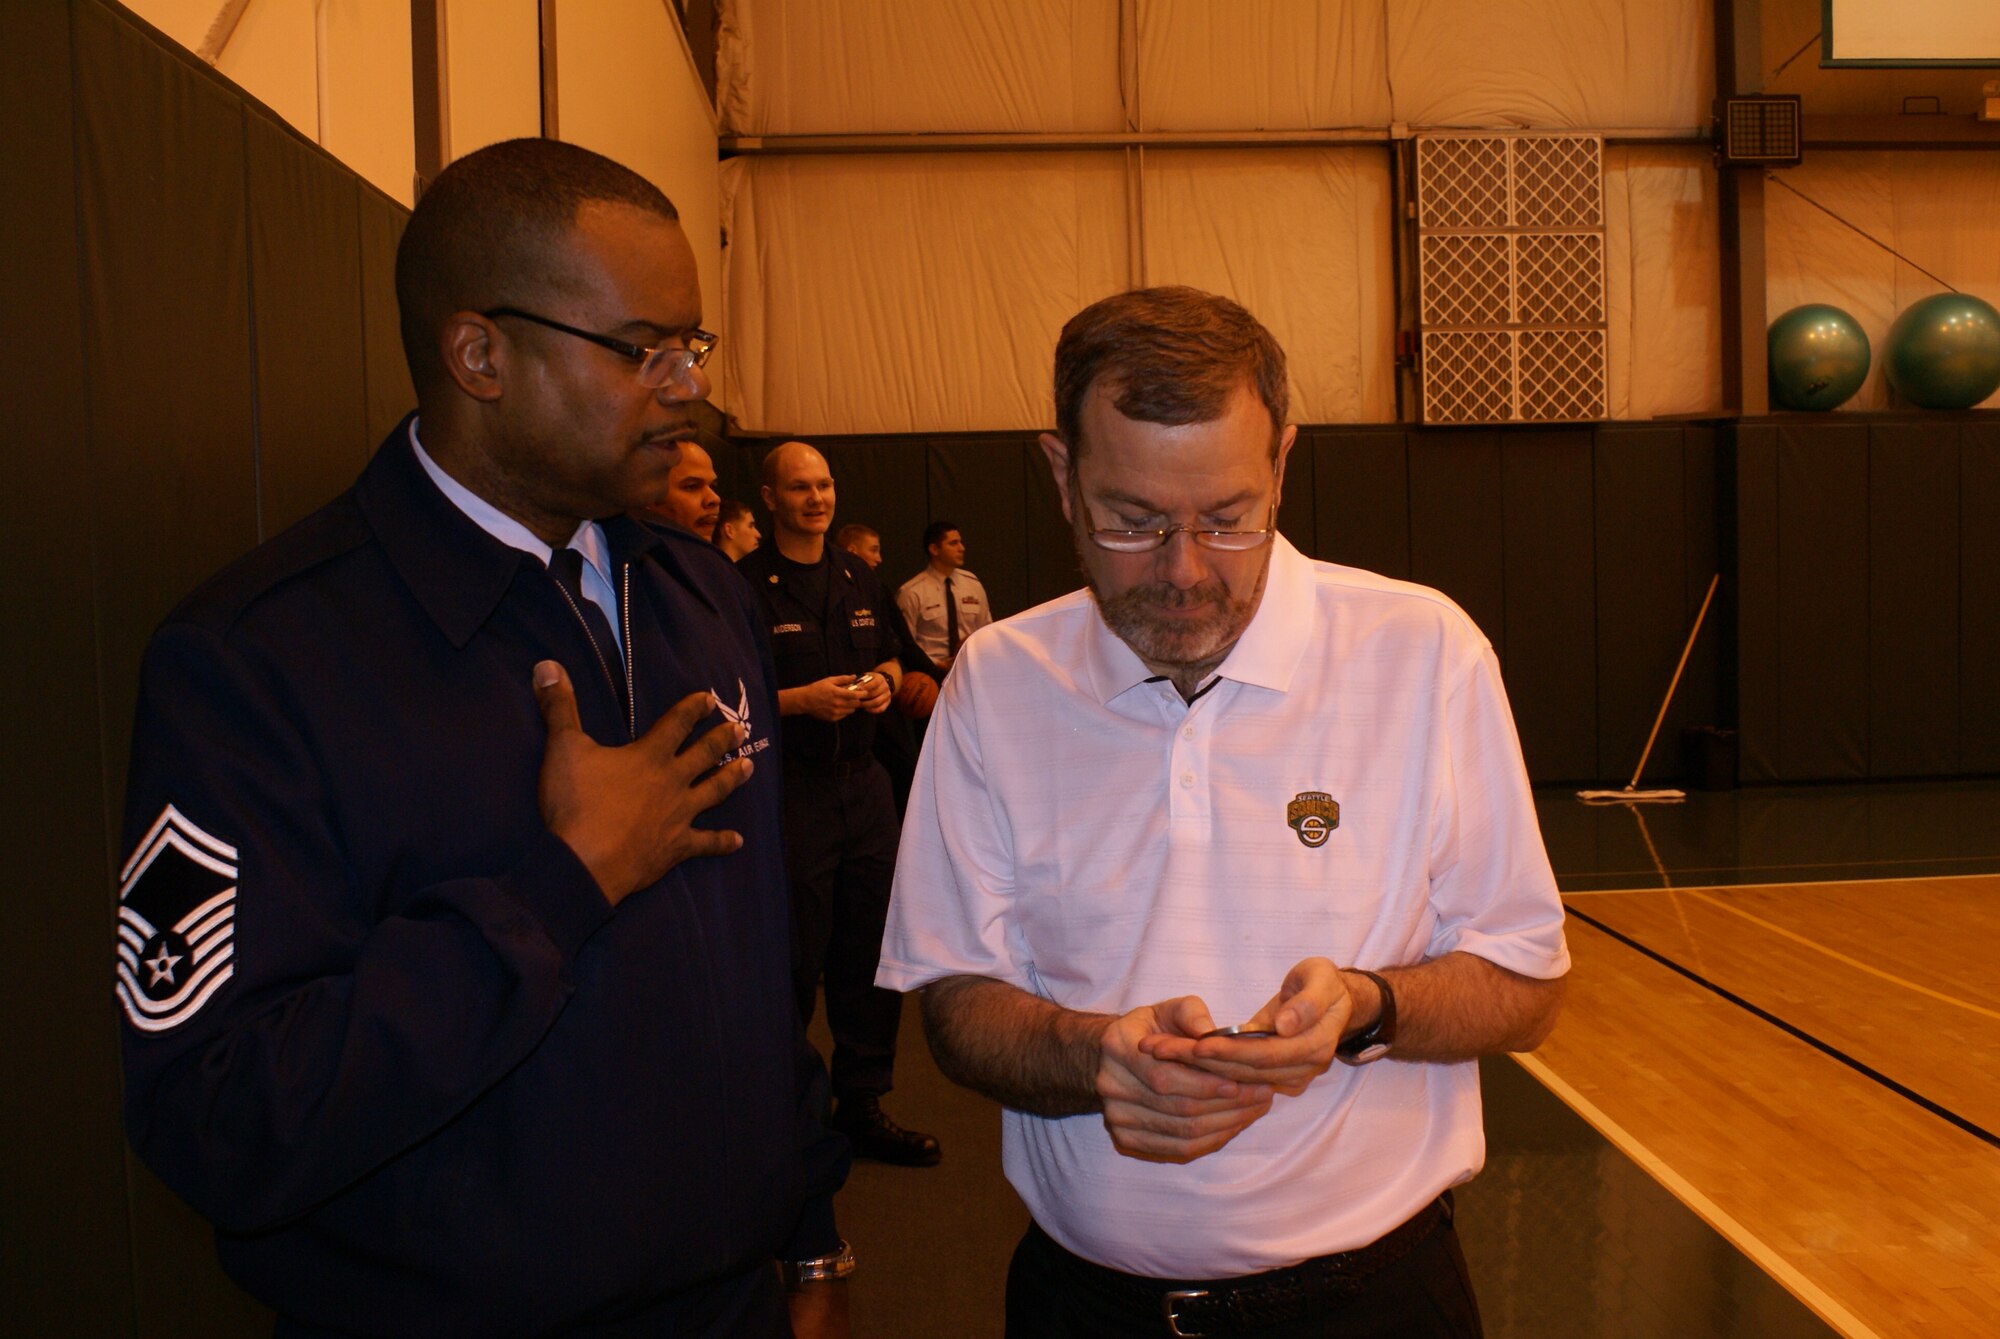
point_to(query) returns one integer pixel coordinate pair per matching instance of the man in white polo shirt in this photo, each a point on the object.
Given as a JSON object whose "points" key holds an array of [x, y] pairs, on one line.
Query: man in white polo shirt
{"points": [[1226, 785]]}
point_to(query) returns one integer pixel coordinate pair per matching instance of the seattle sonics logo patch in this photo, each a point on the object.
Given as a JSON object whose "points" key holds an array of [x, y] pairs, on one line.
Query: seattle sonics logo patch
{"points": [[1313, 814], [176, 923]]}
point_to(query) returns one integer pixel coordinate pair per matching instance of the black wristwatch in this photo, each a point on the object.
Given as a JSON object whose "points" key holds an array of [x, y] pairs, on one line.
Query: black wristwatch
{"points": [[1372, 1042]]}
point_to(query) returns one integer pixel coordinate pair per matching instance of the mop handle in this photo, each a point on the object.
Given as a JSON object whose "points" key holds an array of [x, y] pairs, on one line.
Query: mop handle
{"points": [[1668, 700]]}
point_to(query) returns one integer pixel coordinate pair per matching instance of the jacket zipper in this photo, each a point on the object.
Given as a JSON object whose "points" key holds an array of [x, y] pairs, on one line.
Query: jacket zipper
{"points": [[610, 681], [625, 646]]}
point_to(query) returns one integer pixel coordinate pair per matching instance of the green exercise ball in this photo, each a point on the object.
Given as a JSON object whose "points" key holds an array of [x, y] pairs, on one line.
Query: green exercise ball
{"points": [[1944, 352], [1819, 357]]}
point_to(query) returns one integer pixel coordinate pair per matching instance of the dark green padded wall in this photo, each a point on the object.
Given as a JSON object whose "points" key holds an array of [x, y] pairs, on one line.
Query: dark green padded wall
{"points": [[310, 373], [65, 1249], [1979, 597], [203, 349], [1582, 553], [1868, 566]]}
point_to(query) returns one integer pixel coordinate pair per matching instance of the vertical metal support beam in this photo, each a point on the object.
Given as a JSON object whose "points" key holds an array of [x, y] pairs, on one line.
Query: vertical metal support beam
{"points": [[1745, 349], [550, 128], [429, 90], [1739, 68], [1135, 156], [1403, 270]]}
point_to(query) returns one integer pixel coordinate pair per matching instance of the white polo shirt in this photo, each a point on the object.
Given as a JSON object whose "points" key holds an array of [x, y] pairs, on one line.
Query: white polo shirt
{"points": [[1084, 834]]}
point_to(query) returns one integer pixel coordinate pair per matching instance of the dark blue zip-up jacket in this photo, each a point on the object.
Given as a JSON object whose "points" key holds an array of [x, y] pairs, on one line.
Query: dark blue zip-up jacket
{"points": [[381, 1027]]}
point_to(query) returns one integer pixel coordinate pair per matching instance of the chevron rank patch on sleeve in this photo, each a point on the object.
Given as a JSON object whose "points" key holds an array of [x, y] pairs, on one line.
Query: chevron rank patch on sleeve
{"points": [[176, 922]]}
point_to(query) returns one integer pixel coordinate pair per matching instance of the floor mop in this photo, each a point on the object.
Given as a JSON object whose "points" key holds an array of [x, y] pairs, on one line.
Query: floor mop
{"points": [[1631, 793]]}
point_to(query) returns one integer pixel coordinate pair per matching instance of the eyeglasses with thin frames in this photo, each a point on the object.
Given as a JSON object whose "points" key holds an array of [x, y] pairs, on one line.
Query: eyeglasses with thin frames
{"points": [[657, 366], [1145, 541]]}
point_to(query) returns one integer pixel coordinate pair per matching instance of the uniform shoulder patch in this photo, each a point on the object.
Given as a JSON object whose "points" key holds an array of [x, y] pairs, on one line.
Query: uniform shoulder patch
{"points": [[176, 922]]}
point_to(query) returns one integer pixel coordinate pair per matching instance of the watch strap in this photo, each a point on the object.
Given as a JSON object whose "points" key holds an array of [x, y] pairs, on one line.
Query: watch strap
{"points": [[1373, 1041]]}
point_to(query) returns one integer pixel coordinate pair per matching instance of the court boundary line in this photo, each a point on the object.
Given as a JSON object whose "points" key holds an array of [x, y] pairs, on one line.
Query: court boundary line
{"points": [[1760, 1253], [1708, 895], [1777, 883], [1943, 1113]]}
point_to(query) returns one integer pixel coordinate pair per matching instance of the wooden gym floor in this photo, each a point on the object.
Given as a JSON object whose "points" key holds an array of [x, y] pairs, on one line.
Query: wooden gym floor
{"points": [[1770, 1109], [1806, 1063]]}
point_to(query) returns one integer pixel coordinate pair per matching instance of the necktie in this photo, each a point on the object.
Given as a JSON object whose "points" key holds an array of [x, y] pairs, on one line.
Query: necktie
{"points": [[566, 566], [950, 622]]}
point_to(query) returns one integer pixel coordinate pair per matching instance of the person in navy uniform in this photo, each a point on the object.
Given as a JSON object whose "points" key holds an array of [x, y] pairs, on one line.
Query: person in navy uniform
{"points": [[833, 636], [898, 731], [453, 941]]}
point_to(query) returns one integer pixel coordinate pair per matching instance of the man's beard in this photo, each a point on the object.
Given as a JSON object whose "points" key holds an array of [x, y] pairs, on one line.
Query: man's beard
{"points": [[1198, 641]]}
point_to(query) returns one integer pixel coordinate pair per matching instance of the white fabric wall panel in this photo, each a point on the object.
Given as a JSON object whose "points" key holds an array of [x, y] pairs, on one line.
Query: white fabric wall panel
{"points": [[1939, 209], [924, 293], [1301, 238], [920, 293], [1551, 64], [627, 87], [857, 66], [882, 66], [493, 79], [1544, 64], [1261, 65], [1663, 281]]}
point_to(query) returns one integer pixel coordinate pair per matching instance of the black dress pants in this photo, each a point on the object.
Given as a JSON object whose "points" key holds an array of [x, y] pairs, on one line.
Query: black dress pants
{"points": [[840, 854], [1425, 1295], [748, 1305]]}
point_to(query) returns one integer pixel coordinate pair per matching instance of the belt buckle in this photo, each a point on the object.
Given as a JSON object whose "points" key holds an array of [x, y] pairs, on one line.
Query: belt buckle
{"points": [[1167, 1304]]}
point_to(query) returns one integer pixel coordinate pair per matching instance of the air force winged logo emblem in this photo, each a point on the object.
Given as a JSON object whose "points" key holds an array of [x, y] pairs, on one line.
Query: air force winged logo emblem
{"points": [[176, 923], [740, 716], [1313, 814]]}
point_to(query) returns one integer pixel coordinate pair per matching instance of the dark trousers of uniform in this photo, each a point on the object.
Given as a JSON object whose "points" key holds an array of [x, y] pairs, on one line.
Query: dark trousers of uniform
{"points": [[1427, 1294], [748, 1305], [840, 851], [897, 743]]}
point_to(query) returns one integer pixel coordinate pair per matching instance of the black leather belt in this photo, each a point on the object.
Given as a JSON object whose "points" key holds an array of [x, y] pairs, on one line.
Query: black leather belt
{"points": [[1233, 1306]]}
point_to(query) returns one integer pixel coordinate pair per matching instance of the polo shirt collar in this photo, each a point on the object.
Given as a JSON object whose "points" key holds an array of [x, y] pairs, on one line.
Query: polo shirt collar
{"points": [[1270, 650], [1267, 655]]}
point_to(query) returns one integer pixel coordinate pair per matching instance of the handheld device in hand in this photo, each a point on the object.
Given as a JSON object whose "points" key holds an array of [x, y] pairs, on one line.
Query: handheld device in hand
{"points": [[861, 681], [1240, 1030]]}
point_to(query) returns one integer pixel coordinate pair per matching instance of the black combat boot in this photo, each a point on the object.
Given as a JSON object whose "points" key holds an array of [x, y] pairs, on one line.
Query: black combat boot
{"points": [[875, 1136]]}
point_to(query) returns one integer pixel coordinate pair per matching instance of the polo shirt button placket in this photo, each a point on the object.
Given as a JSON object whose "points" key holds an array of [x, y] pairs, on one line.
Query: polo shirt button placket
{"points": [[1189, 759]]}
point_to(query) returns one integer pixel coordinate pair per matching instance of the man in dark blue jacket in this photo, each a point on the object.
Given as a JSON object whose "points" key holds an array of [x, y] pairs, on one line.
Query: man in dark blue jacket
{"points": [[453, 941]]}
